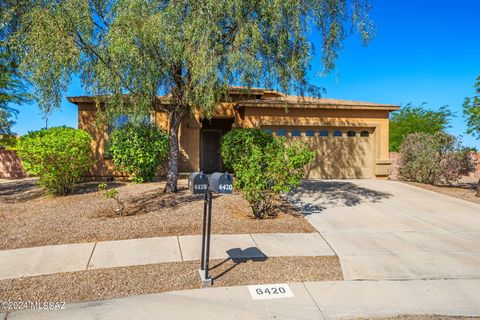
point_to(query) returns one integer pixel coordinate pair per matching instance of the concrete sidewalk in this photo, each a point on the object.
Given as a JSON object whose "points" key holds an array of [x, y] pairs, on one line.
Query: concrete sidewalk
{"points": [[82, 256], [311, 300]]}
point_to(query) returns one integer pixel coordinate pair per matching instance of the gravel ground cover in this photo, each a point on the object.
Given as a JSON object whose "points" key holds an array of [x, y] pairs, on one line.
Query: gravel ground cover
{"points": [[463, 190], [117, 282], [28, 218]]}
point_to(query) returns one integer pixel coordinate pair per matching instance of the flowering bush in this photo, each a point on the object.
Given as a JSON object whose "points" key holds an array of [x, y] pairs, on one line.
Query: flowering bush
{"points": [[434, 159]]}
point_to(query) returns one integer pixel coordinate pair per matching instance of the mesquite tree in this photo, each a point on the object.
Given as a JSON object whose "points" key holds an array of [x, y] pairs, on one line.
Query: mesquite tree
{"points": [[13, 88], [471, 111], [130, 52]]}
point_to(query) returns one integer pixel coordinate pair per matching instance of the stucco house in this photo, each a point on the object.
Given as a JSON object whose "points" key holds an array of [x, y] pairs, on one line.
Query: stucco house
{"points": [[351, 137]]}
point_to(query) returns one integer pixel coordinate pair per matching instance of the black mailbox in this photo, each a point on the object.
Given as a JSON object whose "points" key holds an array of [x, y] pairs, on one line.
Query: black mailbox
{"points": [[198, 183], [221, 183]]}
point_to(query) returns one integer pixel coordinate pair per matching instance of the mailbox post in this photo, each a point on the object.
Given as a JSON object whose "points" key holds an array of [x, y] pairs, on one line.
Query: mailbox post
{"points": [[220, 183]]}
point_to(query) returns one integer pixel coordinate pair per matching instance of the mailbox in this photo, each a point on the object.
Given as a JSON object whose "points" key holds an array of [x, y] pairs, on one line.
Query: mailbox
{"points": [[221, 183], [198, 183]]}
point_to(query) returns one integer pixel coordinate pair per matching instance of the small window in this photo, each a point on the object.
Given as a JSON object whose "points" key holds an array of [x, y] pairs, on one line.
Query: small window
{"points": [[269, 131], [281, 132], [351, 133], [310, 133], [324, 133], [295, 133], [337, 133], [364, 134]]}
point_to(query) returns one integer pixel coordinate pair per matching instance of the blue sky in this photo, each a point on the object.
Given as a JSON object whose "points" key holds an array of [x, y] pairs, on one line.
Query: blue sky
{"points": [[423, 51]]}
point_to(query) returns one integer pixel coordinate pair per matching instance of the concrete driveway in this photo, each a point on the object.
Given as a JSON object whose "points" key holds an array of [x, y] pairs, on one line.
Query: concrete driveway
{"points": [[390, 230]]}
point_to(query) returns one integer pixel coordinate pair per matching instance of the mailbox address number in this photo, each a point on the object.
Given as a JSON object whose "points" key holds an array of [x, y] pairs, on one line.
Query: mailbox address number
{"points": [[225, 187], [200, 186]]}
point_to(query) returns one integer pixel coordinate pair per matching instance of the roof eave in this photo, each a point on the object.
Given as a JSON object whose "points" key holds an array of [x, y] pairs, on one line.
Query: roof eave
{"points": [[313, 105], [92, 99]]}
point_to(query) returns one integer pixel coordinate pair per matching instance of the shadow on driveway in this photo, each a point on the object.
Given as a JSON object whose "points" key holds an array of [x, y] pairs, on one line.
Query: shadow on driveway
{"points": [[315, 196]]}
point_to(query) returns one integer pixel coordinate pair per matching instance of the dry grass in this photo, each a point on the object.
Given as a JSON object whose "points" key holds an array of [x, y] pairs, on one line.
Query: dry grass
{"points": [[118, 282], [28, 218], [465, 190]]}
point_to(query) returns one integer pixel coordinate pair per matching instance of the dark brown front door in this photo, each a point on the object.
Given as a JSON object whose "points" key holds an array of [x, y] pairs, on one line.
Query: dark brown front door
{"points": [[211, 161]]}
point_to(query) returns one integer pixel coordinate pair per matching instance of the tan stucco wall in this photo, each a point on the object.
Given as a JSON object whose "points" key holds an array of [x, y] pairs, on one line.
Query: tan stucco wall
{"points": [[86, 121], [10, 165], [376, 120], [298, 117]]}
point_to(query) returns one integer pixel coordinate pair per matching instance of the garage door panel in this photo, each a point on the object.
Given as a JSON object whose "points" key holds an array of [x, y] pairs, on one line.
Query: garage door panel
{"points": [[337, 157]]}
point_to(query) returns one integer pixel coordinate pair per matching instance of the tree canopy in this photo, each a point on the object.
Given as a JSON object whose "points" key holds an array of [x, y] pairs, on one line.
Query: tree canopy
{"points": [[471, 111], [13, 89], [132, 51], [414, 119]]}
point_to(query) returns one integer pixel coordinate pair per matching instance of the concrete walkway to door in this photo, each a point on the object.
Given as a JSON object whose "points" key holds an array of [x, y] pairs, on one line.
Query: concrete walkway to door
{"points": [[384, 229]]}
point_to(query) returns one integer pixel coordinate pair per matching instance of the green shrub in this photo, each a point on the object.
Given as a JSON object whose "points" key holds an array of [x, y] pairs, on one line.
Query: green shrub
{"points": [[138, 149], [434, 159], [112, 193], [8, 141], [237, 144], [265, 167], [59, 156]]}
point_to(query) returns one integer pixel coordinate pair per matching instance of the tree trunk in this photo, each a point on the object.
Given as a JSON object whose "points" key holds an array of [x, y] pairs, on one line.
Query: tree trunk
{"points": [[175, 119]]}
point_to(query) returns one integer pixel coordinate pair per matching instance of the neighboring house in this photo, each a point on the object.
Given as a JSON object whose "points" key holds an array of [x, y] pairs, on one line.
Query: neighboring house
{"points": [[351, 137]]}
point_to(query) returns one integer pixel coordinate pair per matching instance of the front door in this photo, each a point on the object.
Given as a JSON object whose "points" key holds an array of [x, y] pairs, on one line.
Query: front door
{"points": [[210, 151]]}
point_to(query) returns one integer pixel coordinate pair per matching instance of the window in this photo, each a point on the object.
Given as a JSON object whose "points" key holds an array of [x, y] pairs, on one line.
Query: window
{"points": [[364, 133], [122, 120], [337, 133], [324, 133], [351, 133], [281, 132], [295, 133], [269, 131], [310, 133]]}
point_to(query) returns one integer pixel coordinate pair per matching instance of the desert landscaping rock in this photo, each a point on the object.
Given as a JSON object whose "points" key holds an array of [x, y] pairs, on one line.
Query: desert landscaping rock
{"points": [[33, 219], [128, 281]]}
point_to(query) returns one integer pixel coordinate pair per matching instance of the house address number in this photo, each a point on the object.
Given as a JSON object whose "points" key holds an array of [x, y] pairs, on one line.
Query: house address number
{"points": [[270, 291], [201, 186]]}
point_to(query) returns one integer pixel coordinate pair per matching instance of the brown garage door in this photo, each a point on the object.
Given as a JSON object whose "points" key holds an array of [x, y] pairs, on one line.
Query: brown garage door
{"points": [[343, 152]]}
